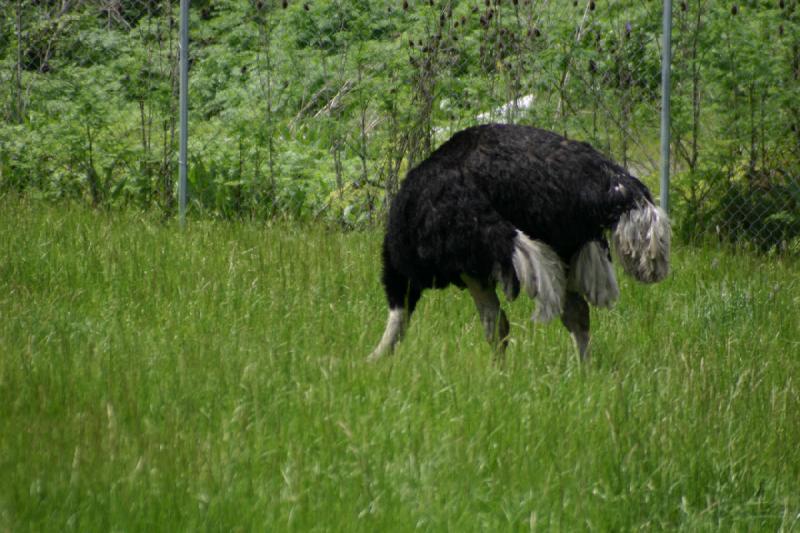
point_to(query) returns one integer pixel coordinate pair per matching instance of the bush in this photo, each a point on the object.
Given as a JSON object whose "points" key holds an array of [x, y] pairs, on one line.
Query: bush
{"points": [[755, 207]]}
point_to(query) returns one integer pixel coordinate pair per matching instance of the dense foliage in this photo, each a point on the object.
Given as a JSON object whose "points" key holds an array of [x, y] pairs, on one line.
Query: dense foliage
{"points": [[315, 108]]}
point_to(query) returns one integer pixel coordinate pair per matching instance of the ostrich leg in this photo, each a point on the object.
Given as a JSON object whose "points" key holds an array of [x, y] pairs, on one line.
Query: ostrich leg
{"points": [[495, 323], [576, 319]]}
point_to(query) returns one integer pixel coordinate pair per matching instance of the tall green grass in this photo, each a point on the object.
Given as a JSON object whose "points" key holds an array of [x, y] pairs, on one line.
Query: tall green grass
{"points": [[214, 378]]}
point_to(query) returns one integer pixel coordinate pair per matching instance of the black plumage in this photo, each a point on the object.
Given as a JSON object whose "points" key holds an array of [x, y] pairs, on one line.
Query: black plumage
{"points": [[457, 214]]}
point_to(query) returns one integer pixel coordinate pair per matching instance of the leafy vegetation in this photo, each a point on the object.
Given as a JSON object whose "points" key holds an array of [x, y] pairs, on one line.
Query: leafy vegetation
{"points": [[738, 121], [314, 108], [215, 377]]}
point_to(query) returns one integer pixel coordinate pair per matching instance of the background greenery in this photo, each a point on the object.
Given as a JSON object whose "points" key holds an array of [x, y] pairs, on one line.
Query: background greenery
{"points": [[314, 109], [215, 379]]}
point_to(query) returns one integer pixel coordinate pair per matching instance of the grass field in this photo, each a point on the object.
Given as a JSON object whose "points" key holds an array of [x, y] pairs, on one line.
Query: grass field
{"points": [[214, 379]]}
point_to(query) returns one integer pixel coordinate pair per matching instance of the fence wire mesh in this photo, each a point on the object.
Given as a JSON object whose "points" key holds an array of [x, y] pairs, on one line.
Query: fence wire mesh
{"points": [[315, 108], [736, 122], [90, 99]]}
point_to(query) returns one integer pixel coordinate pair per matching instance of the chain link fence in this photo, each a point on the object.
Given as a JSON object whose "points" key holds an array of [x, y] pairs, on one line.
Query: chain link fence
{"points": [[316, 108], [736, 122], [89, 99]]}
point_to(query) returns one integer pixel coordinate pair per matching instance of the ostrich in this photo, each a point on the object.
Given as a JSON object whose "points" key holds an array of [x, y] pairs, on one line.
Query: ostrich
{"points": [[526, 209]]}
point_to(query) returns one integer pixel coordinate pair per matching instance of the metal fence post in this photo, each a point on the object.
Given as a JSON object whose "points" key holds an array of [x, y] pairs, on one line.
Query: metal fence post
{"points": [[184, 110], [666, 61]]}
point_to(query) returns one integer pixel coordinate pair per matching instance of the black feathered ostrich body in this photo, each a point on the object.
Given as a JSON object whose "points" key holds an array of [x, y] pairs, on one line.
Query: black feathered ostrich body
{"points": [[525, 208]]}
